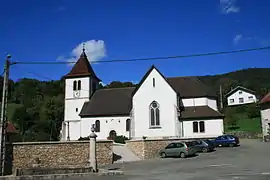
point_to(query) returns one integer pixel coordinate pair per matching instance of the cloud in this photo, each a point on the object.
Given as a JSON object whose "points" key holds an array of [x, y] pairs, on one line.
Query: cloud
{"points": [[228, 6], [94, 49], [237, 38]]}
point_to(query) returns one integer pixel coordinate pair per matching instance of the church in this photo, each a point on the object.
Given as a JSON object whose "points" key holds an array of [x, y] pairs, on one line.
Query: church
{"points": [[158, 107]]}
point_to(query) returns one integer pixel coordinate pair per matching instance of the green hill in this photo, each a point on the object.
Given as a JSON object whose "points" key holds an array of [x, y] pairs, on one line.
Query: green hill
{"points": [[257, 79]]}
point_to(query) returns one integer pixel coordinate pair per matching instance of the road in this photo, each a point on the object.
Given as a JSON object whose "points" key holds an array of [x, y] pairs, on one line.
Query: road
{"points": [[250, 161]]}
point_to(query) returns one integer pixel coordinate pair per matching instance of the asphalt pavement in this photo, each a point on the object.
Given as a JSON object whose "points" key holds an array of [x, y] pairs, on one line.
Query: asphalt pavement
{"points": [[250, 161]]}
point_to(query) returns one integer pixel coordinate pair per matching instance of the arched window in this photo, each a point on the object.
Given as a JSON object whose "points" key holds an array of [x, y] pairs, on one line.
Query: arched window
{"points": [[128, 125], [79, 85], [74, 85], [154, 114], [97, 126], [195, 127], [202, 126]]}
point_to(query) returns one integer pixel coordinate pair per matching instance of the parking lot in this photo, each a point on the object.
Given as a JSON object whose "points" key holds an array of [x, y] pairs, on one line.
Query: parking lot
{"points": [[250, 161]]}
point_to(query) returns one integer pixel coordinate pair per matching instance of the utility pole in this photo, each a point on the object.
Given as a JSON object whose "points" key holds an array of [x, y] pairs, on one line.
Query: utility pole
{"points": [[3, 121], [221, 97]]}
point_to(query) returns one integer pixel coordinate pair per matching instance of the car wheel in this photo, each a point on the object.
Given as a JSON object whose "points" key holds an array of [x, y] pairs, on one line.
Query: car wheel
{"points": [[182, 155], [163, 155], [231, 145], [204, 150]]}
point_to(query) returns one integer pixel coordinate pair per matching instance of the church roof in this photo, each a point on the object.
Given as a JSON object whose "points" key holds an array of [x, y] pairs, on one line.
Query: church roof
{"points": [[109, 102], [189, 87], [201, 112], [82, 68], [118, 101]]}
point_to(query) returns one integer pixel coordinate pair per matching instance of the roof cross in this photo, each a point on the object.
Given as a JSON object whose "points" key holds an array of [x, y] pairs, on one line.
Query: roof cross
{"points": [[83, 47]]}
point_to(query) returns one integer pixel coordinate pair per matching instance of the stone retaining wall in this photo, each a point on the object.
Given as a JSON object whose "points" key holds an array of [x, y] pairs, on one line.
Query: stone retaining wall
{"points": [[59, 154], [247, 135]]}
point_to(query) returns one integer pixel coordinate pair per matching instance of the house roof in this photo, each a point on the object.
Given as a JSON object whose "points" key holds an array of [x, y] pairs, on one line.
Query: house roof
{"points": [[239, 88], [189, 87], [204, 112], [10, 128], [109, 102], [265, 99], [81, 68]]}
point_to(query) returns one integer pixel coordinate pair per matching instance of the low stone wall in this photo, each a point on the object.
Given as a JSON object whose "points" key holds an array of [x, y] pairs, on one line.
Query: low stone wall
{"points": [[148, 149], [59, 154], [137, 147], [247, 135]]}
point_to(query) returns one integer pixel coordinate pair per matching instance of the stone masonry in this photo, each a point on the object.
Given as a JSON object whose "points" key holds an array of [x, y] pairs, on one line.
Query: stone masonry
{"points": [[148, 149], [59, 154]]}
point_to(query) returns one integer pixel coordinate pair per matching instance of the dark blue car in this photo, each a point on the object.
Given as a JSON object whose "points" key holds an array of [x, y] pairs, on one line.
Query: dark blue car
{"points": [[226, 140]]}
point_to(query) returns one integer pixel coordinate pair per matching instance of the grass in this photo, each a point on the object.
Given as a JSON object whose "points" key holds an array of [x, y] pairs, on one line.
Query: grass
{"points": [[246, 124]]}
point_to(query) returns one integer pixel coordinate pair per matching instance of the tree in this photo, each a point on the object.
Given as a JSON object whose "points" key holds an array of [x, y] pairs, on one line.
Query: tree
{"points": [[52, 112], [22, 121], [232, 123]]}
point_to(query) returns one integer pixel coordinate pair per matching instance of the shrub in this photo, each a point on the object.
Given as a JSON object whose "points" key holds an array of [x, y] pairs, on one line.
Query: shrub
{"points": [[120, 139], [83, 138], [253, 111]]}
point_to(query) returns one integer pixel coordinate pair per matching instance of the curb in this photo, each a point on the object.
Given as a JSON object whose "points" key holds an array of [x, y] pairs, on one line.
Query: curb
{"points": [[63, 176]]}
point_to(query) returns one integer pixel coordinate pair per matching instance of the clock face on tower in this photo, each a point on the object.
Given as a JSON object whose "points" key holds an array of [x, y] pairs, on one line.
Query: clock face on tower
{"points": [[76, 94]]}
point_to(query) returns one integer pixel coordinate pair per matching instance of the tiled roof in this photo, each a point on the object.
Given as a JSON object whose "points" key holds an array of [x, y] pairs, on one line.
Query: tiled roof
{"points": [[109, 102], [188, 87], [239, 88], [194, 112], [81, 68], [10, 128], [265, 99]]}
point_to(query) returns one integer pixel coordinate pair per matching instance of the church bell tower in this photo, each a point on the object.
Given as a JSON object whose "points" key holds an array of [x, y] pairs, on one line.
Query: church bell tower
{"points": [[80, 83]]}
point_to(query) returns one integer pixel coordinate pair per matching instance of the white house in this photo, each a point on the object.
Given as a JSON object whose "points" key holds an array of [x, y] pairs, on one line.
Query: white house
{"points": [[240, 95], [265, 114], [159, 107]]}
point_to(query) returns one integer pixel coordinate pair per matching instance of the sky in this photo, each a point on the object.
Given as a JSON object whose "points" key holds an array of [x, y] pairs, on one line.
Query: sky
{"points": [[54, 30]]}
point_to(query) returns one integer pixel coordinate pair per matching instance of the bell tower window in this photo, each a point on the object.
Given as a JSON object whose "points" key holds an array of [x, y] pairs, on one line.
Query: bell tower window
{"points": [[79, 85], [74, 85]]}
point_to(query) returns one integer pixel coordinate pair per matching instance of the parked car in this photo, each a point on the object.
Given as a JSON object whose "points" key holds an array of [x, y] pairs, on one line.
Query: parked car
{"points": [[204, 145], [182, 149], [226, 140]]}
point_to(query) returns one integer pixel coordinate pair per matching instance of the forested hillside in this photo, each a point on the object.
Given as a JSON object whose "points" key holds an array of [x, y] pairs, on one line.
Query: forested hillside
{"points": [[37, 107]]}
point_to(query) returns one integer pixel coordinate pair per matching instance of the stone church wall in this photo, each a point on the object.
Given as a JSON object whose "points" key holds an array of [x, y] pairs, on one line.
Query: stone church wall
{"points": [[59, 154]]}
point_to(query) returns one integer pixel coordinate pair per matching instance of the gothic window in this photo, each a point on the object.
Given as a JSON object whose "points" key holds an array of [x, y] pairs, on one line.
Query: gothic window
{"points": [[154, 114], [128, 125], [74, 85], [79, 85], [97, 126]]}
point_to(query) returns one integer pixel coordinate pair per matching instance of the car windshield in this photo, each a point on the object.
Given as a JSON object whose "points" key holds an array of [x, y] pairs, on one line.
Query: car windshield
{"points": [[208, 141], [189, 144], [230, 136]]}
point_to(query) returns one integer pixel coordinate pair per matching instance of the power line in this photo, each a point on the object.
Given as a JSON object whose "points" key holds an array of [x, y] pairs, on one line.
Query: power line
{"points": [[50, 79], [150, 58]]}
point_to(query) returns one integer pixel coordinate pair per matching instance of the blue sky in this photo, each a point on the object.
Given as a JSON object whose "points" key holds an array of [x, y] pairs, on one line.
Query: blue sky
{"points": [[53, 30]]}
